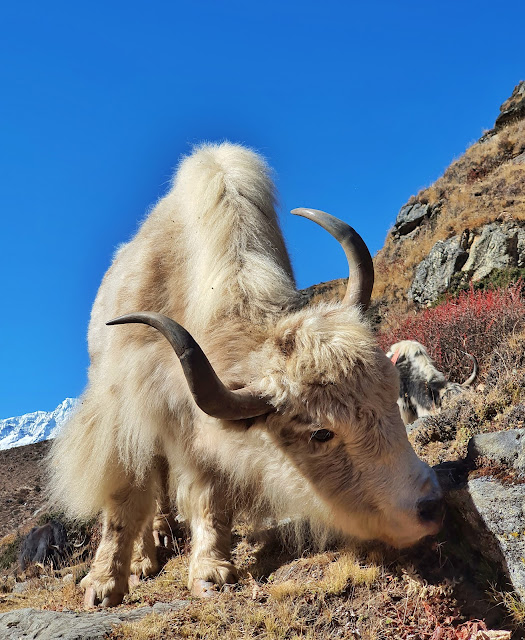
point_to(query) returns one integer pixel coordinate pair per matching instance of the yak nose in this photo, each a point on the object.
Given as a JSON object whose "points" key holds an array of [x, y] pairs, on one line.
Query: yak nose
{"points": [[431, 510]]}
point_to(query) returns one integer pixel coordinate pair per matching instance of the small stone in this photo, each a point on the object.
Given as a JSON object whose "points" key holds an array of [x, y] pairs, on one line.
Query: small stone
{"points": [[20, 587]]}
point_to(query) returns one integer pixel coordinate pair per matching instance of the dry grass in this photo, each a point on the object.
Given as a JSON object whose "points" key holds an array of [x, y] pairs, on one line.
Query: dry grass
{"points": [[297, 600], [150, 627], [326, 574], [514, 606], [44, 592], [359, 591], [363, 591]]}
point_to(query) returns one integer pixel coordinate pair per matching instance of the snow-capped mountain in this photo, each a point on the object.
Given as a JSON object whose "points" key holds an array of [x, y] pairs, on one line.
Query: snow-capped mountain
{"points": [[34, 427]]}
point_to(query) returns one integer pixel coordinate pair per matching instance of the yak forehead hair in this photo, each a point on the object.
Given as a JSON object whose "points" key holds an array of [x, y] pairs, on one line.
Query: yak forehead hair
{"points": [[326, 359]]}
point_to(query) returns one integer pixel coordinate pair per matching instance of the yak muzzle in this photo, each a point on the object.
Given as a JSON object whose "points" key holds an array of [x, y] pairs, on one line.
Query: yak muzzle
{"points": [[431, 510]]}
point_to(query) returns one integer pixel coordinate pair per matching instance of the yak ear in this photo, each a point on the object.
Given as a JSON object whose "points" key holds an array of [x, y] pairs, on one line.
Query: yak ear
{"points": [[208, 391]]}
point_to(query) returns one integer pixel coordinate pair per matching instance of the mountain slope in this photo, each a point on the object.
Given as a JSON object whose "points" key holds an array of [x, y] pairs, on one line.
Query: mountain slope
{"points": [[34, 427], [485, 185]]}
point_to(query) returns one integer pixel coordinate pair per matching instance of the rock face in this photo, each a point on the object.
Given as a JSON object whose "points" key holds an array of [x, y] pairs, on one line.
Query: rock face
{"points": [[492, 515], [498, 246], [478, 253], [434, 274]]}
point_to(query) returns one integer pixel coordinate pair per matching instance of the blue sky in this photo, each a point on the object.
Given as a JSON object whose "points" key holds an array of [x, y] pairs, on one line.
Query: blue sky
{"points": [[356, 106]]}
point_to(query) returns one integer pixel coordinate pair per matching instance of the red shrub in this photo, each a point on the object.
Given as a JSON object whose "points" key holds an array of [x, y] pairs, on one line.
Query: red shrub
{"points": [[475, 321]]}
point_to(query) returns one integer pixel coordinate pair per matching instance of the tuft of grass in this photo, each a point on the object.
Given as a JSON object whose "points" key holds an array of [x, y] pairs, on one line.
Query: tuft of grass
{"points": [[9, 549], [287, 590], [151, 627], [346, 571], [515, 606]]}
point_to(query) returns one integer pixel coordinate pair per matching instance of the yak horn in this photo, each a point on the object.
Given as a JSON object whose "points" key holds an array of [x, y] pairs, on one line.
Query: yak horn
{"points": [[475, 371], [361, 280], [208, 391]]}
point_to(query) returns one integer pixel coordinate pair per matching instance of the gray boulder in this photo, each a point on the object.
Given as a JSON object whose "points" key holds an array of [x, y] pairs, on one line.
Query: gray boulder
{"points": [[492, 516], [409, 217], [501, 447], [489, 512], [31, 624], [434, 273], [477, 253]]}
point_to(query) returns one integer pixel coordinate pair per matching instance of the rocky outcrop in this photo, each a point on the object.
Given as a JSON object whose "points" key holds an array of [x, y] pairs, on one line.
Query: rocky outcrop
{"points": [[485, 496], [513, 108], [410, 217], [498, 245], [434, 273], [69, 625]]}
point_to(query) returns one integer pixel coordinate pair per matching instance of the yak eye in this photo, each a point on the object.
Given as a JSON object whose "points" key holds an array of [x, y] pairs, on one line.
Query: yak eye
{"points": [[323, 435]]}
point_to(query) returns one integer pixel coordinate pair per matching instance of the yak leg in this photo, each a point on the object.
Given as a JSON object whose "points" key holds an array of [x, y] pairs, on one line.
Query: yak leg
{"points": [[210, 522], [164, 524], [144, 561], [128, 511]]}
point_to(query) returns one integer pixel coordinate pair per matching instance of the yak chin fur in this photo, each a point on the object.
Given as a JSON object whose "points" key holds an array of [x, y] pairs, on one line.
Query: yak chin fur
{"points": [[211, 256]]}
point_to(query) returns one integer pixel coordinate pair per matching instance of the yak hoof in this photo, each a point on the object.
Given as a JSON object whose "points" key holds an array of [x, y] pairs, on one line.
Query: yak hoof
{"points": [[134, 580], [204, 589], [89, 598], [113, 600], [165, 541]]}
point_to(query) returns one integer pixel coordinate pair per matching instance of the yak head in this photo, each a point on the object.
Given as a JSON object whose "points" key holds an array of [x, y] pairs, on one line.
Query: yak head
{"points": [[326, 394]]}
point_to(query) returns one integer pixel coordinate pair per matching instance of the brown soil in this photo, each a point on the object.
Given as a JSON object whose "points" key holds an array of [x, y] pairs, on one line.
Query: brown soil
{"points": [[22, 486]]}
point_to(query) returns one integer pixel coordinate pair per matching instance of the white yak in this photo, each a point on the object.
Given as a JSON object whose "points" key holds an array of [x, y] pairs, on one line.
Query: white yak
{"points": [[276, 409]]}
